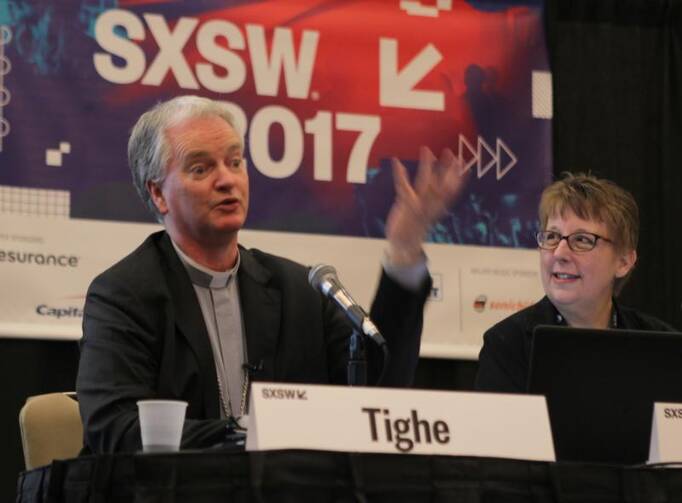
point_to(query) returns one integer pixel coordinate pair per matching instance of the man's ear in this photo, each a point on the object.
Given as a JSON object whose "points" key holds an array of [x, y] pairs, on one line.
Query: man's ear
{"points": [[626, 261], [156, 194]]}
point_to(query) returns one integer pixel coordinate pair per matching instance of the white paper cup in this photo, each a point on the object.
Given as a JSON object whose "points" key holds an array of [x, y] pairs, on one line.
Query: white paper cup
{"points": [[161, 424]]}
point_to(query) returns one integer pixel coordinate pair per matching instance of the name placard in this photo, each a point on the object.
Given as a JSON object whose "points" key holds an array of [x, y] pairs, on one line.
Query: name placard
{"points": [[381, 420], [666, 434]]}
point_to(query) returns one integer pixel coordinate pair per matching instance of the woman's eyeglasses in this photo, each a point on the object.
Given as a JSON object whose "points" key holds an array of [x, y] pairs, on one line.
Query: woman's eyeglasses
{"points": [[578, 241]]}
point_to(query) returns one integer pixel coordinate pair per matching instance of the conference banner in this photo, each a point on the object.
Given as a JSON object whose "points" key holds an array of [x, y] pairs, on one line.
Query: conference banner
{"points": [[325, 92]]}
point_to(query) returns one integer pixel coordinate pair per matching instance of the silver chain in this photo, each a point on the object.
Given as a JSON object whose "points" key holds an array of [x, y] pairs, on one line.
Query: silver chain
{"points": [[227, 406]]}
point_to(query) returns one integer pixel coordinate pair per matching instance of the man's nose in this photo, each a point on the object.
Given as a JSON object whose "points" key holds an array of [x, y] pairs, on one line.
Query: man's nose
{"points": [[225, 176]]}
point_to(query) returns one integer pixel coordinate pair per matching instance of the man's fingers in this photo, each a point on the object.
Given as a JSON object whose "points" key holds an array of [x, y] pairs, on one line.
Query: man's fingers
{"points": [[425, 170], [455, 180], [450, 179], [448, 161], [401, 181], [436, 186]]}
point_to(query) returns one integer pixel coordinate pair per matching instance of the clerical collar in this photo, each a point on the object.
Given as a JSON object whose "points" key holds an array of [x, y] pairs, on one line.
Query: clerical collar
{"points": [[203, 276]]}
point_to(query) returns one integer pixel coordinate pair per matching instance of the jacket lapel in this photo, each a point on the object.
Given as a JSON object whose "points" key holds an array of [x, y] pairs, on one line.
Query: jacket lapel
{"points": [[261, 311], [190, 323]]}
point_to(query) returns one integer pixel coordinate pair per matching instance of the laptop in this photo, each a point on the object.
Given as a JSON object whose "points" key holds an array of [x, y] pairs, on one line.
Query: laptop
{"points": [[600, 387]]}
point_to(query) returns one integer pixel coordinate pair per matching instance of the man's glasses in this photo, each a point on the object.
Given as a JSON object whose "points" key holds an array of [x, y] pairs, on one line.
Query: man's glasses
{"points": [[578, 241]]}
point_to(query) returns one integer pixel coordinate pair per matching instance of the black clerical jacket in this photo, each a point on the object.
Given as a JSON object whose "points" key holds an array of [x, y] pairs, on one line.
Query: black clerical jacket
{"points": [[144, 337]]}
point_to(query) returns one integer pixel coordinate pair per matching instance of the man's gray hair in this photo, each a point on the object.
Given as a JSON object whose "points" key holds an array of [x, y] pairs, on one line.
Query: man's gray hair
{"points": [[148, 148]]}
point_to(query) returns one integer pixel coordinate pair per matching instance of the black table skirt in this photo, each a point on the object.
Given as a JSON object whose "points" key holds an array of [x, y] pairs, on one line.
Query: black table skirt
{"points": [[301, 476]]}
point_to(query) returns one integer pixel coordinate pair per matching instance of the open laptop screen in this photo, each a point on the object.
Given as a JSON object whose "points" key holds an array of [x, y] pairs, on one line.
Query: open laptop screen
{"points": [[600, 387]]}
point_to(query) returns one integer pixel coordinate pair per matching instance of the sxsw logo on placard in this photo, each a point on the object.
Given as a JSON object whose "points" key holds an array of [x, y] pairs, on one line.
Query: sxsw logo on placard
{"points": [[436, 287], [673, 413], [284, 394]]}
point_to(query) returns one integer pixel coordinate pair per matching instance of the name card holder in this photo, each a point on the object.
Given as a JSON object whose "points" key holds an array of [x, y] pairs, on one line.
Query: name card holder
{"points": [[666, 433], [382, 420]]}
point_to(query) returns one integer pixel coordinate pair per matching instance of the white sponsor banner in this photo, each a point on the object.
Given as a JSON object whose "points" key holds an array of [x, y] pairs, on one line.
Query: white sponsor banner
{"points": [[47, 264], [361, 419], [666, 434], [478, 287]]}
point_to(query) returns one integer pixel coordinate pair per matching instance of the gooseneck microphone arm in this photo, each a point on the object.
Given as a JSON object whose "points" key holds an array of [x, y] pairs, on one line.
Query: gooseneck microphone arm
{"points": [[324, 279]]}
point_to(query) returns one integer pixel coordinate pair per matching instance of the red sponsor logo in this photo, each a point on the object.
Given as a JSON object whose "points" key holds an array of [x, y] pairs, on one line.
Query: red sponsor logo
{"points": [[509, 305], [479, 303]]}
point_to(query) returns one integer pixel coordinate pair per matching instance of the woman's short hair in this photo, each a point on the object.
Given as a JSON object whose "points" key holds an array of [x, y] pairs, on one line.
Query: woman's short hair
{"points": [[148, 148], [597, 199], [592, 198]]}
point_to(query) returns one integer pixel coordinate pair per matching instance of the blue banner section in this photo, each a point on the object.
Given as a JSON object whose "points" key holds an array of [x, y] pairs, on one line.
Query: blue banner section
{"points": [[327, 92]]}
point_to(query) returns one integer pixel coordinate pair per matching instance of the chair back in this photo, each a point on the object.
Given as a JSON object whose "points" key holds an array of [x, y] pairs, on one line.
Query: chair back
{"points": [[51, 428]]}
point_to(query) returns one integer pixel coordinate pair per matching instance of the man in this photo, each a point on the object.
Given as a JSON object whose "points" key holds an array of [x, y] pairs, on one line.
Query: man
{"points": [[191, 315]]}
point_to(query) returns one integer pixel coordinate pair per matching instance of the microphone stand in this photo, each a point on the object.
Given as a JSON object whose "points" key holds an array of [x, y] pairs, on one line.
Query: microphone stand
{"points": [[357, 360]]}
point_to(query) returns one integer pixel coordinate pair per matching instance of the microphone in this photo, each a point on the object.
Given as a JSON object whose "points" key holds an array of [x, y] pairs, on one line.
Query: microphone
{"points": [[323, 278]]}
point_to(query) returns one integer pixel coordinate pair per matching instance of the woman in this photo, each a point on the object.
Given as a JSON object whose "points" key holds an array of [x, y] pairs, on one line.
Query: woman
{"points": [[588, 248]]}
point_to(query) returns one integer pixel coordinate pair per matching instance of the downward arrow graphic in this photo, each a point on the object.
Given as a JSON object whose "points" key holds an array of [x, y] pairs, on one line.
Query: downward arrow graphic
{"points": [[396, 86]]}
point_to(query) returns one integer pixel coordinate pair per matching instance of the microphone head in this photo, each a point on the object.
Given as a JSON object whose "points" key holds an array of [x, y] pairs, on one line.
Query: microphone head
{"points": [[320, 273]]}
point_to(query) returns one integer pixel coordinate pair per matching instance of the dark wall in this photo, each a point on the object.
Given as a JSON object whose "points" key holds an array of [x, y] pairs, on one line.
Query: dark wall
{"points": [[442, 374], [617, 77], [28, 367]]}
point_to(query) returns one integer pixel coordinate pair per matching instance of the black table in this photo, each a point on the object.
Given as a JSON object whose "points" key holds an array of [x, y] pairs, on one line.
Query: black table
{"points": [[299, 476]]}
